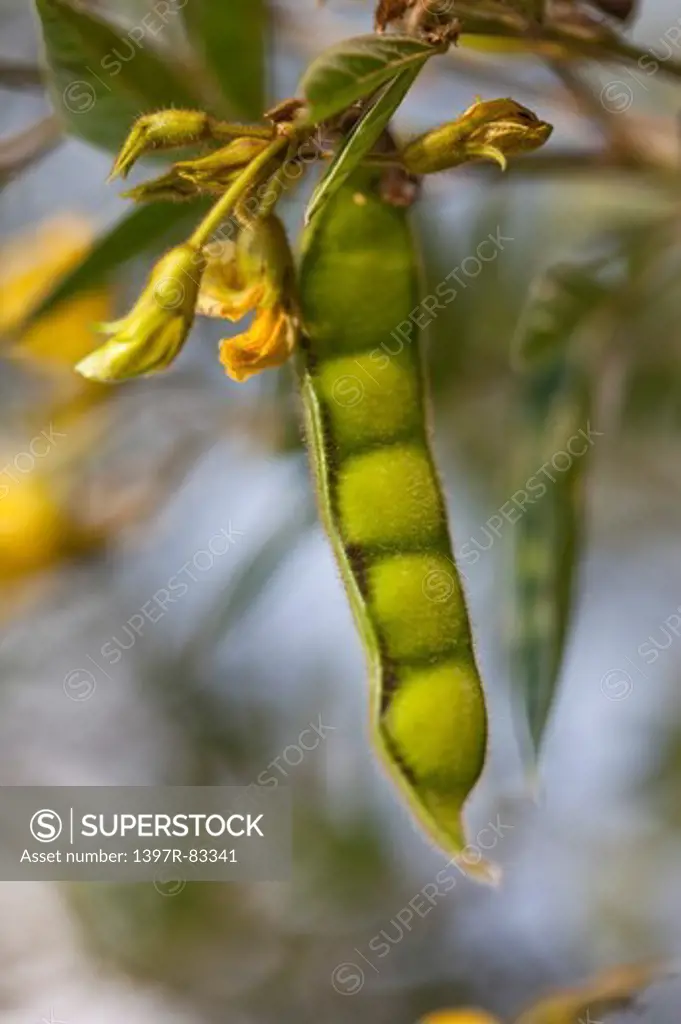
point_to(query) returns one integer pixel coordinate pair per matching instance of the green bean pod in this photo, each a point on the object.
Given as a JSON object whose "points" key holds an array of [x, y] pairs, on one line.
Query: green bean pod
{"points": [[383, 507]]}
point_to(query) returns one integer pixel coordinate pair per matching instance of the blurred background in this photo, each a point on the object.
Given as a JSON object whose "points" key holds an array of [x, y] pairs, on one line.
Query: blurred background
{"points": [[109, 495]]}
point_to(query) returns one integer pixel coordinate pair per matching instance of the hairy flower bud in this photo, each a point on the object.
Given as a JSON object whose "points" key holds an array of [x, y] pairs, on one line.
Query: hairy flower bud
{"points": [[490, 129], [166, 129]]}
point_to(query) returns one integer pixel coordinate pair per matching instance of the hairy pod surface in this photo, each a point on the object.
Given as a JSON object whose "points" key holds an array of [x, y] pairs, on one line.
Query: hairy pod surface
{"points": [[383, 507]]}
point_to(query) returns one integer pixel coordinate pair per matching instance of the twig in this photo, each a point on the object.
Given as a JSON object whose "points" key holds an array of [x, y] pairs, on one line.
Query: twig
{"points": [[20, 76], [620, 139], [22, 150]]}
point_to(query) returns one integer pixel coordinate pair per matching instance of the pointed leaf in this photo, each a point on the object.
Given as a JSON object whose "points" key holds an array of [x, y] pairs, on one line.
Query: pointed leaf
{"points": [[362, 139], [356, 68], [231, 38], [556, 304], [557, 438], [547, 536], [99, 80]]}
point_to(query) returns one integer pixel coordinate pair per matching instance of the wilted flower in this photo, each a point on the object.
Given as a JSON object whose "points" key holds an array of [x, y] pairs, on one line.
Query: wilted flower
{"points": [[149, 338], [489, 130], [255, 274]]}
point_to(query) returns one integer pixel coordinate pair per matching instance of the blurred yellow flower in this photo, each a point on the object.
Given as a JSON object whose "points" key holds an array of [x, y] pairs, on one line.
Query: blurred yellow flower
{"points": [[29, 267], [464, 1016], [255, 274], [37, 531], [32, 529]]}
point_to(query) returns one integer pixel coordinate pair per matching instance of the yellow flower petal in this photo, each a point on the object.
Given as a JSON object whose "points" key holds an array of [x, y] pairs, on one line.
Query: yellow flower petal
{"points": [[268, 343], [256, 271], [224, 293]]}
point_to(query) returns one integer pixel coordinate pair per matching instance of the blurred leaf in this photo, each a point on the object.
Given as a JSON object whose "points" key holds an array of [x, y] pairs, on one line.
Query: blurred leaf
{"points": [[612, 990], [546, 539], [100, 81], [230, 35], [147, 228], [355, 68], [558, 301], [557, 438], [362, 139]]}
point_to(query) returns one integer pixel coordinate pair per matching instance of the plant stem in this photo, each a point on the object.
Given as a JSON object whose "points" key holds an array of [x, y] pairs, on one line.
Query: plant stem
{"points": [[226, 203]]}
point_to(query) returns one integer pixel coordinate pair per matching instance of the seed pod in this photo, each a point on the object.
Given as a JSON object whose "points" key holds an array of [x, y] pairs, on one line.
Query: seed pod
{"points": [[382, 503]]}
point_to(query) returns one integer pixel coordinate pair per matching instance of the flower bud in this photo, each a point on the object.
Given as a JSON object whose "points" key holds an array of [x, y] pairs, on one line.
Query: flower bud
{"points": [[167, 188], [166, 129], [149, 338], [490, 129], [217, 169]]}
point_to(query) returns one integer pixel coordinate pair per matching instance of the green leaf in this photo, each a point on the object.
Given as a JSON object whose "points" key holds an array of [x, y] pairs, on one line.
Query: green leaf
{"points": [[553, 454], [147, 228], [101, 81], [546, 536], [558, 301], [230, 35], [362, 139], [356, 68]]}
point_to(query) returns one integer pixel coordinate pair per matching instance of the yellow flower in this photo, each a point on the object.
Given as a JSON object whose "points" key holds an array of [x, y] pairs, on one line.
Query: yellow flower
{"points": [[149, 338], [224, 292], [265, 345], [255, 274]]}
